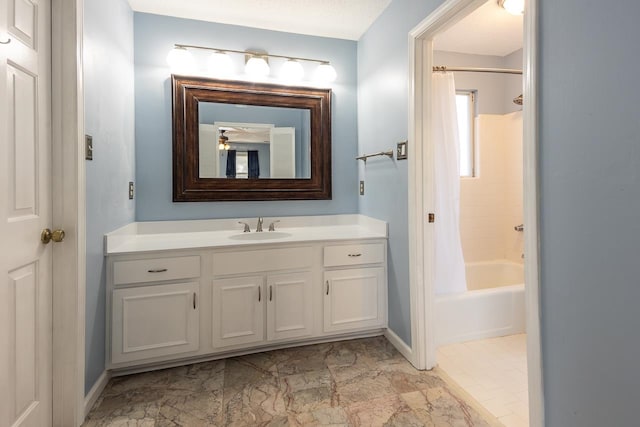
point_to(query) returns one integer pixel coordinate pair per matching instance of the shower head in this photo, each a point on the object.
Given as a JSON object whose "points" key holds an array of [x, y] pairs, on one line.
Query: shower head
{"points": [[518, 100]]}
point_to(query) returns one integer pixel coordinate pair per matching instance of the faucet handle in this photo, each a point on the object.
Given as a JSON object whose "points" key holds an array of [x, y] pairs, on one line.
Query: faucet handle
{"points": [[246, 227], [272, 226]]}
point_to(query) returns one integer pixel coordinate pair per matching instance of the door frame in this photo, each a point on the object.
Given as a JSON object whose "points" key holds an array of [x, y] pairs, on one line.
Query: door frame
{"points": [[421, 192], [68, 180]]}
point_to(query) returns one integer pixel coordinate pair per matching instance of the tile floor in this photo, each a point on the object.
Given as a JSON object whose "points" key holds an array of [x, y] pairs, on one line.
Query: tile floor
{"points": [[494, 372], [362, 382]]}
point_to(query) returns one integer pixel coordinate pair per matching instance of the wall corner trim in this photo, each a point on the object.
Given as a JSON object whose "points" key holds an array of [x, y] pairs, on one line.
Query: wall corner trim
{"points": [[400, 345], [95, 392]]}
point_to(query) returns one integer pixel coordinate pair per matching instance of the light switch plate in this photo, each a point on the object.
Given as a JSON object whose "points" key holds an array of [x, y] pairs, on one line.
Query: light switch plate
{"points": [[362, 188], [401, 152], [88, 147]]}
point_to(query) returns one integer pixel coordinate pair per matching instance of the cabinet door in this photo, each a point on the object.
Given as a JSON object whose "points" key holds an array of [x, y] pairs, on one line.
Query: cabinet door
{"points": [[289, 306], [154, 321], [354, 299], [238, 311]]}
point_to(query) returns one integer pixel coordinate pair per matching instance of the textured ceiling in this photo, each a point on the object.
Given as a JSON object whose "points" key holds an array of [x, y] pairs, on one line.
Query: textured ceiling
{"points": [[489, 30], [342, 19]]}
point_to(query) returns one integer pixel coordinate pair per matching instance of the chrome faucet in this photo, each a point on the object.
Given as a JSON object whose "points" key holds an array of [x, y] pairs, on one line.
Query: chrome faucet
{"points": [[246, 227], [272, 226], [519, 227], [259, 226]]}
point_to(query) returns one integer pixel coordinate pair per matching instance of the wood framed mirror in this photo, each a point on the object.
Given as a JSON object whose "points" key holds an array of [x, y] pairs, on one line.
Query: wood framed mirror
{"points": [[236, 141]]}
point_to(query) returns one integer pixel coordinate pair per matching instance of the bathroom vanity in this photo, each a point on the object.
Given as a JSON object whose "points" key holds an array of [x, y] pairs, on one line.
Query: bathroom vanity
{"points": [[181, 291]]}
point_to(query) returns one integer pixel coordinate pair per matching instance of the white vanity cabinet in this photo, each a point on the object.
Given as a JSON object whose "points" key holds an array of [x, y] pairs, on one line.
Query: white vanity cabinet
{"points": [[354, 298], [153, 321], [289, 306], [237, 311], [272, 306], [182, 295], [155, 312]]}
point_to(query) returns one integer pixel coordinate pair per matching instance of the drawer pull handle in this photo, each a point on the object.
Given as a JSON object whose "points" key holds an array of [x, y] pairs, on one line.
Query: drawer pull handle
{"points": [[327, 287], [259, 294], [354, 255], [157, 270], [270, 293], [194, 300]]}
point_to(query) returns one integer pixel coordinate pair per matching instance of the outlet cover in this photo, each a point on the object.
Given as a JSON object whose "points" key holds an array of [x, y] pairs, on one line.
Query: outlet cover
{"points": [[88, 147], [130, 190], [362, 188]]}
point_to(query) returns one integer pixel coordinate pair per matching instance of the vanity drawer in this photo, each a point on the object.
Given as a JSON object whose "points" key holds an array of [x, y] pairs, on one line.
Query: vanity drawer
{"points": [[226, 263], [353, 254], [155, 269]]}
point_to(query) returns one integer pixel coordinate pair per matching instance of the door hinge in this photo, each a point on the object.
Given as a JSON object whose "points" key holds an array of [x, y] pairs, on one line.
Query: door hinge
{"points": [[432, 217]]}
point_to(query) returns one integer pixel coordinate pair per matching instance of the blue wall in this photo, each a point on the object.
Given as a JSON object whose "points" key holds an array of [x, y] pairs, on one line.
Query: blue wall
{"points": [[590, 205], [109, 118], [154, 37], [383, 121]]}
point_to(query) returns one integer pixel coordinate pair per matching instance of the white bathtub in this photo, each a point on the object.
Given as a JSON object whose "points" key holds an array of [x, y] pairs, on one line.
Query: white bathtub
{"points": [[492, 307]]}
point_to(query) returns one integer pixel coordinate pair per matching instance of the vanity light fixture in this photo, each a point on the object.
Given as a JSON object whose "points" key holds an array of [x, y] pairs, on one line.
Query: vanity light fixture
{"points": [[514, 7], [256, 64], [180, 60], [220, 64], [325, 73], [292, 70]]}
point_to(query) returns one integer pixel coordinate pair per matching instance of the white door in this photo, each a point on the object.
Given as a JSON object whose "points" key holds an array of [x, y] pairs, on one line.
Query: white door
{"points": [[25, 209], [282, 153], [289, 306], [155, 321], [353, 299], [238, 311]]}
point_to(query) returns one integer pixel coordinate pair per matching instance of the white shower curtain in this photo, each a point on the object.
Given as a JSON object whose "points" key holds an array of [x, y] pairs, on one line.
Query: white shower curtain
{"points": [[449, 270]]}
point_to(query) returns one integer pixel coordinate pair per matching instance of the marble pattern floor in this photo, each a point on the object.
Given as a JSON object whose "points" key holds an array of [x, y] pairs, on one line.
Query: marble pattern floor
{"points": [[363, 382]]}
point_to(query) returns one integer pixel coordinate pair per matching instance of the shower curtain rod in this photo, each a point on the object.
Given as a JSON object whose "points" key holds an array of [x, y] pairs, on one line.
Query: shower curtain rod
{"points": [[477, 70]]}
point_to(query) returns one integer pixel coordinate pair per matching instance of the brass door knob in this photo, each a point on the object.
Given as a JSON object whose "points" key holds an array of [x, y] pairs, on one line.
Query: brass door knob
{"points": [[56, 235]]}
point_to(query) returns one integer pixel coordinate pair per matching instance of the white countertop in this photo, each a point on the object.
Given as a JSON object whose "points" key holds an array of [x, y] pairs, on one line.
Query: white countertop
{"points": [[217, 233]]}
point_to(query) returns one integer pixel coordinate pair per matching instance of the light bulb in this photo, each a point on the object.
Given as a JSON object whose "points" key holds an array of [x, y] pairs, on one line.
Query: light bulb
{"points": [[292, 71], [257, 67], [180, 61], [221, 146], [514, 7], [325, 73], [220, 64], [227, 146]]}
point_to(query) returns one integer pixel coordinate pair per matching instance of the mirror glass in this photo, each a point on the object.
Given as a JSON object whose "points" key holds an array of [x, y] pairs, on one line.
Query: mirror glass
{"points": [[239, 141]]}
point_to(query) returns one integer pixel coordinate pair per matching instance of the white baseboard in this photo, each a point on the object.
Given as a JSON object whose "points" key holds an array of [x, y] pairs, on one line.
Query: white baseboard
{"points": [[400, 345], [96, 390]]}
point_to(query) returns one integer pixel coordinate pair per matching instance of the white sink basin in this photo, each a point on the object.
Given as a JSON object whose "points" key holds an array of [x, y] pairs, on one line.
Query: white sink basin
{"points": [[265, 235]]}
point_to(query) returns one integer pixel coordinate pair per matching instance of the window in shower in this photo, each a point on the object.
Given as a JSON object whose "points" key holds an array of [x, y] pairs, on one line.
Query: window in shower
{"points": [[465, 106]]}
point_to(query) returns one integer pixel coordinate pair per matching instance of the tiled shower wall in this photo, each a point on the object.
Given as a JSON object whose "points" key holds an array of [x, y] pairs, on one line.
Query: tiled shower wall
{"points": [[491, 202]]}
